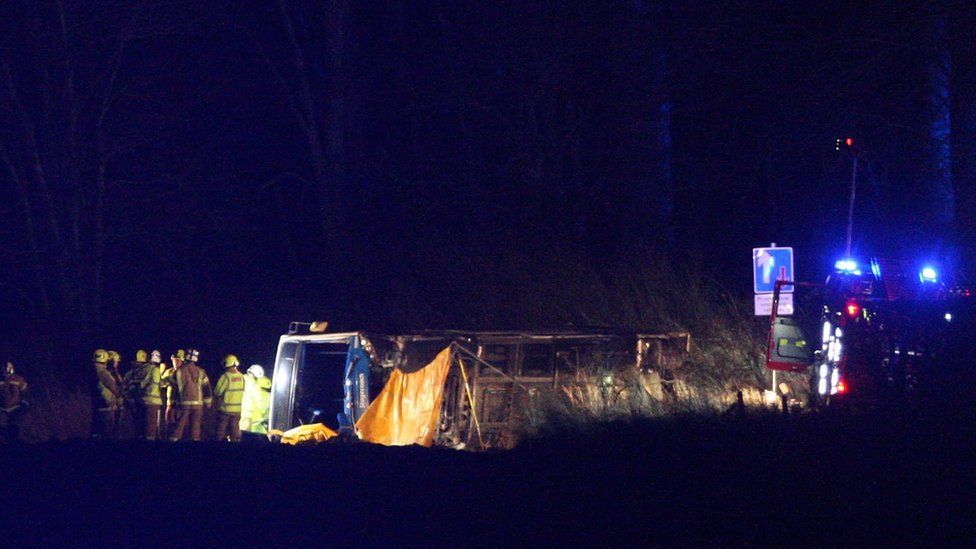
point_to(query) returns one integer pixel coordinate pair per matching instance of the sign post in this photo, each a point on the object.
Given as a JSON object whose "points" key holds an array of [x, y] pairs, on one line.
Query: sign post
{"points": [[769, 265], [771, 268]]}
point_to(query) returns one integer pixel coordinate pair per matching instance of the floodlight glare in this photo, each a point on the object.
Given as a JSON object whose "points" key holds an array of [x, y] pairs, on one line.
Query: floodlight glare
{"points": [[848, 266]]}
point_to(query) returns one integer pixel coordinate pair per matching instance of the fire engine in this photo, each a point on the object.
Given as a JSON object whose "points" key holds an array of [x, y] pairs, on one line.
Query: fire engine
{"points": [[888, 330]]}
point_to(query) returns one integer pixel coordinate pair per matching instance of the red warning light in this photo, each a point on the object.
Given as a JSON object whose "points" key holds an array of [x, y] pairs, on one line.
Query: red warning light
{"points": [[849, 141], [853, 309], [841, 386]]}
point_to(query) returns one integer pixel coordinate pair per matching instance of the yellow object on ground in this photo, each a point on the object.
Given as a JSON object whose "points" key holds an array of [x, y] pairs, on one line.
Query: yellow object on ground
{"points": [[313, 433], [407, 409]]}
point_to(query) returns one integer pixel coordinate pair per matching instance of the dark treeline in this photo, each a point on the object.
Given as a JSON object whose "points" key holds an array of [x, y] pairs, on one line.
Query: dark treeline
{"points": [[182, 175]]}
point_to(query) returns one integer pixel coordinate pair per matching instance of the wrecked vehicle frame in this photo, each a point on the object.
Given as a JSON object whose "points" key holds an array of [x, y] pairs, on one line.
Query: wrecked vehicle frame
{"points": [[491, 390]]}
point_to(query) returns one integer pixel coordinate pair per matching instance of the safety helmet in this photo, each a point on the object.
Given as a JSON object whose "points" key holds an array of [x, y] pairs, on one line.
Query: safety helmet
{"points": [[100, 356], [156, 357], [256, 370], [141, 355], [114, 356], [230, 361], [192, 355], [180, 354]]}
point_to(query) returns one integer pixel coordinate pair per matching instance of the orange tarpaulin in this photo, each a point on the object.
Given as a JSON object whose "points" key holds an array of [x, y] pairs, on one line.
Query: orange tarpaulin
{"points": [[407, 409]]}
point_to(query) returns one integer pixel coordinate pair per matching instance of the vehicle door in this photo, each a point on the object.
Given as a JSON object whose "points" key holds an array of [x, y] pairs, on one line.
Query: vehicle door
{"points": [[283, 386]]}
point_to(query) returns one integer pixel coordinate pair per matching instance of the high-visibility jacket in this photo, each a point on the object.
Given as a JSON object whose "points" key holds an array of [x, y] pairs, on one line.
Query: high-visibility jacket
{"points": [[257, 404], [230, 391], [165, 386], [105, 391], [142, 383], [189, 386], [113, 369], [12, 391]]}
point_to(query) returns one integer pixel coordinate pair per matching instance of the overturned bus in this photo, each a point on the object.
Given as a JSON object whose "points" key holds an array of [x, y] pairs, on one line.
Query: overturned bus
{"points": [[477, 389]]}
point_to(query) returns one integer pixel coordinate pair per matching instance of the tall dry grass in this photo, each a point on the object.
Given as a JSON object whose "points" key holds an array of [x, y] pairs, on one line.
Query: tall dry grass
{"points": [[56, 412], [652, 294]]}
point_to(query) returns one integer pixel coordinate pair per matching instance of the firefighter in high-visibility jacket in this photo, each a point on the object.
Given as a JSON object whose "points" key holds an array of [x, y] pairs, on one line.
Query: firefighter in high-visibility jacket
{"points": [[13, 403], [167, 392], [156, 359], [190, 393], [142, 392], [257, 401], [105, 396], [114, 368], [229, 393]]}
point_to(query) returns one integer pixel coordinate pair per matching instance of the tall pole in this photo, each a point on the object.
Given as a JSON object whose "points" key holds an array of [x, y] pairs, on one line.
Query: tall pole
{"points": [[850, 208]]}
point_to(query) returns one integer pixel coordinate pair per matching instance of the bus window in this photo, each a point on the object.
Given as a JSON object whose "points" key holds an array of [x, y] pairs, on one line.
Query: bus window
{"points": [[320, 390], [537, 360], [567, 358], [496, 405], [283, 386], [499, 356]]}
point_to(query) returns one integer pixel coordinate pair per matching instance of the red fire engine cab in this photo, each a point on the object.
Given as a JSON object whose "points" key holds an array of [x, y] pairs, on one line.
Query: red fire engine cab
{"points": [[890, 330]]}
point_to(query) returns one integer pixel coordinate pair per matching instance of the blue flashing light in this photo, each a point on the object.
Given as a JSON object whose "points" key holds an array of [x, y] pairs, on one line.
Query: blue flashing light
{"points": [[928, 274], [847, 266]]}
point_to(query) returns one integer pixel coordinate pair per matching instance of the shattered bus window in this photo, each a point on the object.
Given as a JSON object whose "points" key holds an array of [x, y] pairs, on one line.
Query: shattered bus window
{"points": [[496, 405], [537, 360], [499, 356], [319, 396], [283, 386]]}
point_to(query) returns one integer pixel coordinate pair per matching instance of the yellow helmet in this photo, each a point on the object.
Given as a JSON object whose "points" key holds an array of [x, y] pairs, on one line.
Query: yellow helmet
{"points": [[100, 356], [230, 361], [180, 354], [114, 356], [141, 355]]}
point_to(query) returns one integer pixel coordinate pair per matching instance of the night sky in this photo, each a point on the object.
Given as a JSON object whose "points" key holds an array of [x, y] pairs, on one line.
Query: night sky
{"points": [[182, 175]]}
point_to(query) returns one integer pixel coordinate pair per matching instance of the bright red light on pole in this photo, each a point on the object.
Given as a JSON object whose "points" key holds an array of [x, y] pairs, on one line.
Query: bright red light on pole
{"points": [[849, 141], [853, 309]]}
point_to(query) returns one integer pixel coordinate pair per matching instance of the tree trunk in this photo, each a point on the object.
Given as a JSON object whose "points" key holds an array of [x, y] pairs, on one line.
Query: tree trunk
{"points": [[940, 200], [657, 192]]}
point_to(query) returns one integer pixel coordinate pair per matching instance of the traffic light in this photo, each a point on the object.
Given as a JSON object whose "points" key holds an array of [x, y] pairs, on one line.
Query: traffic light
{"points": [[844, 142]]}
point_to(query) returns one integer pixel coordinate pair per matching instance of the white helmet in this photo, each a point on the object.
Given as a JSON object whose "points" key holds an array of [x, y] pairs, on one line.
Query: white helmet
{"points": [[256, 370]]}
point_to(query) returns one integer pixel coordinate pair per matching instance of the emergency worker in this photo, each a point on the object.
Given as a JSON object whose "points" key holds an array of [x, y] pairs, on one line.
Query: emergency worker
{"points": [[114, 358], [156, 359], [105, 396], [142, 357], [127, 389], [190, 393], [13, 403], [142, 392], [167, 391], [229, 393], [257, 401]]}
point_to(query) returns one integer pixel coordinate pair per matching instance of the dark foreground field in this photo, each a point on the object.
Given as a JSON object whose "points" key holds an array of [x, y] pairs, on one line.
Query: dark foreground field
{"points": [[717, 481]]}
